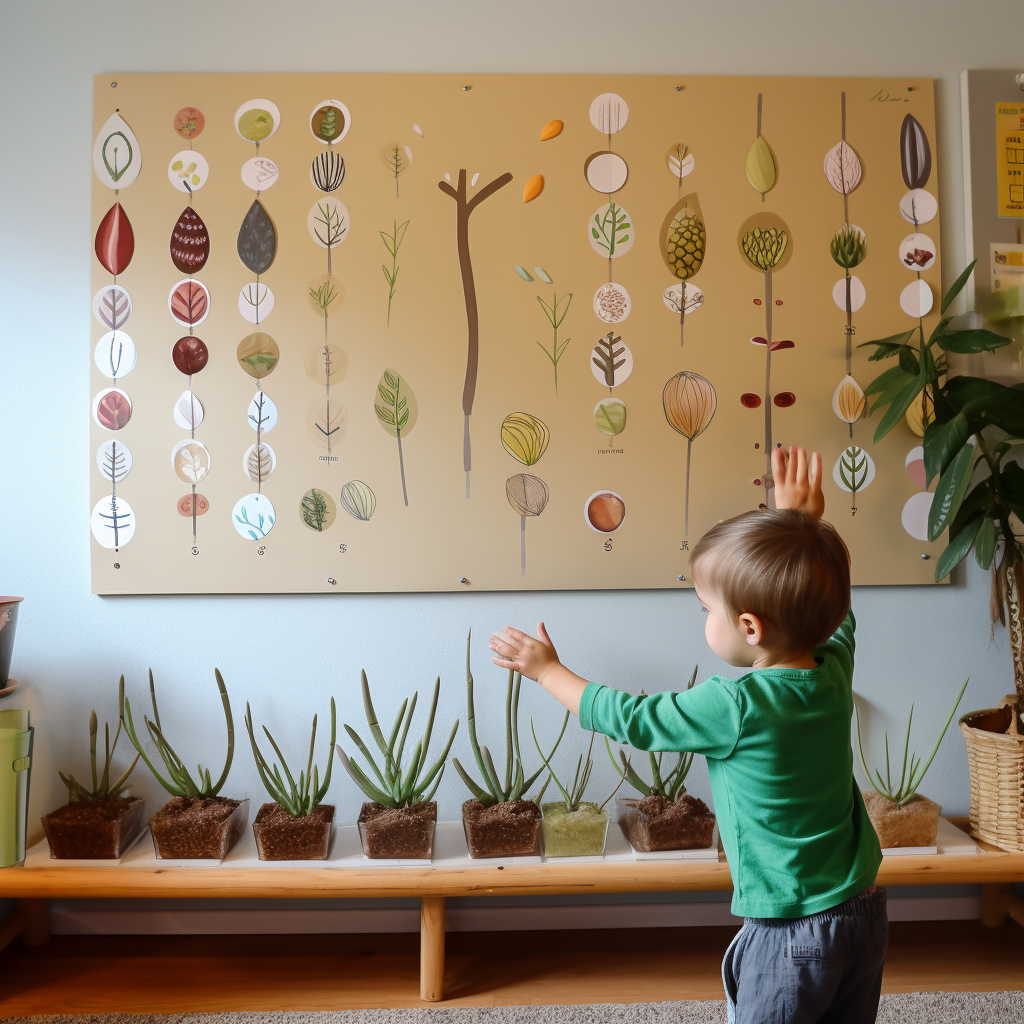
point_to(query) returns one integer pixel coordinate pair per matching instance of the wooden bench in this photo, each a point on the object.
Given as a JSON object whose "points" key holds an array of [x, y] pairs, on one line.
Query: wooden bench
{"points": [[42, 879]]}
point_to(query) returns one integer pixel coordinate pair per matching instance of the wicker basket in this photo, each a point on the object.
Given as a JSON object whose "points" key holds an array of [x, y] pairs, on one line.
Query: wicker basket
{"points": [[996, 764]]}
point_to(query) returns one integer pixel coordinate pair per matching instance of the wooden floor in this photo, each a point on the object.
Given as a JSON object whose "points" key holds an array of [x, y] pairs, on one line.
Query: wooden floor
{"points": [[166, 974]]}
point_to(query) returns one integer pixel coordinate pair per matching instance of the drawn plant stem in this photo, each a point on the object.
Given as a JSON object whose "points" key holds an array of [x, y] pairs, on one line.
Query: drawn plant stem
{"points": [[394, 406], [322, 297], [464, 207], [256, 530], [769, 480], [606, 357], [314, 510], [332, 227], [392, 243], [253, 296], [555, 314], [115, 366]]}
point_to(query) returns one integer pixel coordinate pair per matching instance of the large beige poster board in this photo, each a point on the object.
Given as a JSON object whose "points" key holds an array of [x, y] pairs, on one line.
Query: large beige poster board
{"points": [[672, 139]]}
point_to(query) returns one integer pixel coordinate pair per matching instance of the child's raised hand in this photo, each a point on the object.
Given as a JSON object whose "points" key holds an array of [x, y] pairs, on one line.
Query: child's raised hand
{"points": [[526, 654], [797, 482]]}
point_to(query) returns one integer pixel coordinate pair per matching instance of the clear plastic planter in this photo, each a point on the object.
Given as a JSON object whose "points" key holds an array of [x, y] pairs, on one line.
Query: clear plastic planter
{"points": [[188, 828], [579, 833], [90, 833], [653, 833], [404, 833], [491, 836], [279, 836]]}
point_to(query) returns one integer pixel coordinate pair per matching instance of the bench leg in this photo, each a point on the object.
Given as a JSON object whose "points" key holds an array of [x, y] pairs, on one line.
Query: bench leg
{"points": [[432, 948], [36, 916], [1015, 908]]}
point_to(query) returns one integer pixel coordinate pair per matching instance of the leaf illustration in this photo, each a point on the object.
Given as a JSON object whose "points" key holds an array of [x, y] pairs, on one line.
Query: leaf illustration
{"points": [[392, 243], [609, 356], [527, 494], [188, 411], [262, 413], [328, 222], [327, 171], [525, 437], [317, 510], [116, 156], [680, 161], [191, 461], [689, 401], [533, 187], [611, 231], [115, 241], [112, 521], [258, 354], [609, 113], [325, 363], [190, 354], [190, 242], [358, 500], [684, 238], [759, 165], [114, 461], [396, 410], [842, 168], [397, 159], [259, 462], [112, 306], [326, 422], [255, 301], [854, 470], [112, 409], [610, 416], [915, 153], [257, 239], [848, 400], [189, 303], [253, 516], [551, 130], [325, 294]]}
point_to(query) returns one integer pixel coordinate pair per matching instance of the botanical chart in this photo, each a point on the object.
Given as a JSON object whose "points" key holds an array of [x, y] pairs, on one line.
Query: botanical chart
{"points": [[358, 333]]}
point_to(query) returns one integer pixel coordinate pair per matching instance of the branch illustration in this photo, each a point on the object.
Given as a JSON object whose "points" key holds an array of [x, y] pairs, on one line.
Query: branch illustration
{"points": [[606, 357], [392, 243], [464, 207], [555, 314]]}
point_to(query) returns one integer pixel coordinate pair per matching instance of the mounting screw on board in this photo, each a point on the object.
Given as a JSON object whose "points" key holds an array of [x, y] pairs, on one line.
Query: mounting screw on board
{"points": [[925, 557], [466, 88], [117, 565], [333, 582], [679, 88], [462, 579], [113, 85], [681, 578]]}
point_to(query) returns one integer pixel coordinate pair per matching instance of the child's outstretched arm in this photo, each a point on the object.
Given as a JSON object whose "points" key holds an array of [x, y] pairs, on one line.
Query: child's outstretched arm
{"points": [[536, 658]]}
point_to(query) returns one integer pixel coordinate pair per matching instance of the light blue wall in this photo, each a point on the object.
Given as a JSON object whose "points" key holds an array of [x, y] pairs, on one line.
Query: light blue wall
{"points": [[288, 654]]}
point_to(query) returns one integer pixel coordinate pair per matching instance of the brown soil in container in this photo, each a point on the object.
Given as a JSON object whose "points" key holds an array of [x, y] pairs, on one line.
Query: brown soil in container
{"points": [[403, 833], [193, 828], [94, 829], [657, 823], [509, 829], [913, 824], [279, 836]]}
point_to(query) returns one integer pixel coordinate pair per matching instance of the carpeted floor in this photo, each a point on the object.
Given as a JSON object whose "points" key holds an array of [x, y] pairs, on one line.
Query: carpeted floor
{"points": [[899, 1008]]}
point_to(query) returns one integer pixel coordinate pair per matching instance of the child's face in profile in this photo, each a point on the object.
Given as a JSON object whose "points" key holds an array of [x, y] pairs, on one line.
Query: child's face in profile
{"points": [[727, 635]]}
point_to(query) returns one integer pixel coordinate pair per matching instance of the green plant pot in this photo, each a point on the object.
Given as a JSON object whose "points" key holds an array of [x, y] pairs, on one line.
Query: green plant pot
{"points": [[15, 769], [579, 833]]}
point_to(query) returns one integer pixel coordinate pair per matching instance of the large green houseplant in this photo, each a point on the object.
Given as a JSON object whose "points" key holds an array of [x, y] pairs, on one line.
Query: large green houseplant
{"points": [[975, 427]]}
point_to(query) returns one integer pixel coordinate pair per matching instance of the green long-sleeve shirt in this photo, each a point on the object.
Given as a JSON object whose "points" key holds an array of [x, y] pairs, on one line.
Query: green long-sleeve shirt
{"points": [[777, 742]]}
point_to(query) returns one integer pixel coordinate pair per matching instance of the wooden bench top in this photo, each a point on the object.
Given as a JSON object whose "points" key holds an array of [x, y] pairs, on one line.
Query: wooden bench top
{"points": [[140, 874]]}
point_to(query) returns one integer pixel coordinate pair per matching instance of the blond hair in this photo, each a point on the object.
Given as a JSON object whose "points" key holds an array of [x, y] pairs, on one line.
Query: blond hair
{"points": [[788, 569]]}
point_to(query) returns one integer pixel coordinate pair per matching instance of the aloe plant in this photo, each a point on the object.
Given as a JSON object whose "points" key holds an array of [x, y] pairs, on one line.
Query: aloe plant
{"points": [[302, 797], [670, 785], [180, 783], [102, 787], [517, 785], [905, 790], [573, 796], [397, 786]]}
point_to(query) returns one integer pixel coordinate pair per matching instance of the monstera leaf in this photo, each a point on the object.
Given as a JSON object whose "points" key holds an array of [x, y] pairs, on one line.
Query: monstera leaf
{"points": [[257, 240]]}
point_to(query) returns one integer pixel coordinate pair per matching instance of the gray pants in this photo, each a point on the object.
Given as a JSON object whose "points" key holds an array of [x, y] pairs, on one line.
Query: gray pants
{"points": [[821, 969]]}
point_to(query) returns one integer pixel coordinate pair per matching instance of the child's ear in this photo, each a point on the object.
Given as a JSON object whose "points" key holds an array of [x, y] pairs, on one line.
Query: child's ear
{"points": [[753, 631]]}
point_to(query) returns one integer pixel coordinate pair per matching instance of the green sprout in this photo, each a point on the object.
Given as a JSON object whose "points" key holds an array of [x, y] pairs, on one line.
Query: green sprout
{"points": [[396, 787], [669, 785], [516, 783], [102, 787], [573, 796], [297, 798], [906, 788], [180, 783]]}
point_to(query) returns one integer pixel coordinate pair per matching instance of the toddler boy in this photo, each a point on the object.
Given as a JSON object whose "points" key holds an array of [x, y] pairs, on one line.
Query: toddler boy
{"points": [[775, 586]]}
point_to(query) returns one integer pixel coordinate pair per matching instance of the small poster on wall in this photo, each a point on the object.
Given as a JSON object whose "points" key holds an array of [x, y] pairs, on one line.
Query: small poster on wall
{"points": [[1010, 159]]}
